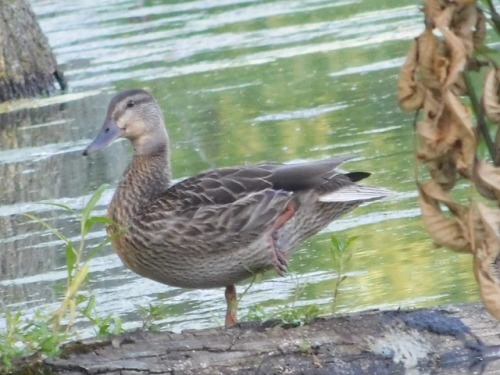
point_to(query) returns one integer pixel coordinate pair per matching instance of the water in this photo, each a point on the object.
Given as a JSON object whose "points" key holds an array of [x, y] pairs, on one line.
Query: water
{"points": [[240, 82]]}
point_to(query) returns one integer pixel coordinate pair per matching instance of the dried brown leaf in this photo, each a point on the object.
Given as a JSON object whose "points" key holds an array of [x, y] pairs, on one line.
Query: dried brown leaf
{"points": [[450, 135], [459, 88], [433, 10], [434, 191], [444, 17], [433, 105], [465, 2], [430, 55], [457, 53], [490, 218], [410, 92], [486, 178], [486, 256], [437, 137], [445, 231], [441, 68], [496, 157], [440, 163], [427, 134], [444, 171], [479, 34], [460, 133], [489, 286], [463, 25], [491, 97]]}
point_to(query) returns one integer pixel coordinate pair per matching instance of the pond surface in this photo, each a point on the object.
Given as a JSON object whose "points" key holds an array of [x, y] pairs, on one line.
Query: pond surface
{"points": [[240, 81]]}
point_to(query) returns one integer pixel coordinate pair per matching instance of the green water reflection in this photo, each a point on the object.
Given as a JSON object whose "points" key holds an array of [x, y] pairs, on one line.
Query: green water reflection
{"points": [[247, 82]]}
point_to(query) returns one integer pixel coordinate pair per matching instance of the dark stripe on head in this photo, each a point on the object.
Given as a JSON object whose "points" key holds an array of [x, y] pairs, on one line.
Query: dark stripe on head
{"points": [[137, 95]]}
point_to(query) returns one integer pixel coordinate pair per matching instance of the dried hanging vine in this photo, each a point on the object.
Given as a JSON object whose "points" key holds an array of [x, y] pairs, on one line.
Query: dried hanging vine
{"points": [[434, 81]]}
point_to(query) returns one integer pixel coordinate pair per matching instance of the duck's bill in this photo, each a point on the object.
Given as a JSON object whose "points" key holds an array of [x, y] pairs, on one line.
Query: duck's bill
{"points": [[109, 132]]}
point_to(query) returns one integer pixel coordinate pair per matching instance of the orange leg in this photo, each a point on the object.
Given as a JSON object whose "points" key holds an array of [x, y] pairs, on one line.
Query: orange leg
{"points": [[232, 306]]}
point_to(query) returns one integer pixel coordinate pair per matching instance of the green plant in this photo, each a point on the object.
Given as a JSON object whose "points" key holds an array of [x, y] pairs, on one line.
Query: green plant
{"points": [[25, 336], [44, 332], [10, 344], [257, 313], [77, 261], [298, 316], [287, 315], [341, 253], [305, 348], [150, 315], [103, 326]]}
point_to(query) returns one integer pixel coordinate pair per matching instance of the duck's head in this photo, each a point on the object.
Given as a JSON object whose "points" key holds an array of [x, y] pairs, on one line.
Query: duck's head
{"points": [[135, 115]]}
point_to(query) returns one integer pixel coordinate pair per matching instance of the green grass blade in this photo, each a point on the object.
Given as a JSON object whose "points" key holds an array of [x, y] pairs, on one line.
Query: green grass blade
{"points": [[350, 240], [89, 223], [78, 280], [59, 205], [87, 210], [87, 311], [71, 259], [58, 234], [335, 242], [96, 250]]}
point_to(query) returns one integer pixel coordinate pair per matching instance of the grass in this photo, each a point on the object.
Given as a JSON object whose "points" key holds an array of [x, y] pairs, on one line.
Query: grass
{"points": [[27, 336], [150, 315], [77, 260], [341, 251], [43, 333], [103, 326]]}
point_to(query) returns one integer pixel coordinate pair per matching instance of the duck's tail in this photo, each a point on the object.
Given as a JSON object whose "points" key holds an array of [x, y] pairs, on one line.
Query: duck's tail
{"points": [[354, 192]]}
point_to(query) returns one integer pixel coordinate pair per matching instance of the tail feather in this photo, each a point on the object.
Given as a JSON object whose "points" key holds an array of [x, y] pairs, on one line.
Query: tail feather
{"points": [[357, 176], [351, 193]]}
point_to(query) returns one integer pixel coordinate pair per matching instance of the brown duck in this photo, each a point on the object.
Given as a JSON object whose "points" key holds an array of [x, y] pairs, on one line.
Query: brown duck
{"points": [[221, 226]]}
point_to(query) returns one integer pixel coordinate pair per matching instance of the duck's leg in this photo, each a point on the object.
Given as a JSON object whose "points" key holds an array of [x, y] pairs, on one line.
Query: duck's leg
{"points": [[232, 306]]}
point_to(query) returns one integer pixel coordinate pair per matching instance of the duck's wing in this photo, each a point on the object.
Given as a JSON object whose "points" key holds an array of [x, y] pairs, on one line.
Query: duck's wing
{"points": [[227, 185], [230, 206], [212, 226], [220, 186], [220, 207]]}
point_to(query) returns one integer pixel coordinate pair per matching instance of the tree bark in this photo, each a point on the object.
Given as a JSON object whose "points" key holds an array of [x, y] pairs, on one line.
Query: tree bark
{"points": [[27, 65], [461, 339]]}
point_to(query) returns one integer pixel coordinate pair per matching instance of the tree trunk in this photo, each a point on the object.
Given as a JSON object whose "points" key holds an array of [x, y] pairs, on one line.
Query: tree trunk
{"points": [[27, 65]]}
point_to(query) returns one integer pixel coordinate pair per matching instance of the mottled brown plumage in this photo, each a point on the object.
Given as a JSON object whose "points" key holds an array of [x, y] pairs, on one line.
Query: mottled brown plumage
{"points": [[221, 226]]}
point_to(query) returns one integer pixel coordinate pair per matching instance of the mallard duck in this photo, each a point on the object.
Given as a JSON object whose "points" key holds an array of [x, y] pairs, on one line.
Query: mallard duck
{"points": [[221, 226]]}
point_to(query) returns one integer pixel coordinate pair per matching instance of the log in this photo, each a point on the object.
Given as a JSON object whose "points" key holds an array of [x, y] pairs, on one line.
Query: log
{"points": [[461, 339], [28, 66]]}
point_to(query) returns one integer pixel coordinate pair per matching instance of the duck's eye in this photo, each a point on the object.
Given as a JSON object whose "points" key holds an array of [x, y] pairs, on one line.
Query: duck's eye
{"points": [[130, 104]]}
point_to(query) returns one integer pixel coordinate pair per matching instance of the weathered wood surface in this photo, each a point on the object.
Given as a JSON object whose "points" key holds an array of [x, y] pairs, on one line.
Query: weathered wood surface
{"points": [[454, 340]]}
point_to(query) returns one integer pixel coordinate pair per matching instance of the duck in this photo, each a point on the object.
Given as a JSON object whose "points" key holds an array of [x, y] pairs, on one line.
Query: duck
{"points": [[223, 225]]}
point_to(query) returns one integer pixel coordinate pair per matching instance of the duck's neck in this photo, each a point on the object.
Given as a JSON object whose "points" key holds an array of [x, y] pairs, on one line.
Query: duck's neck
{"points": [[145, 179]]}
